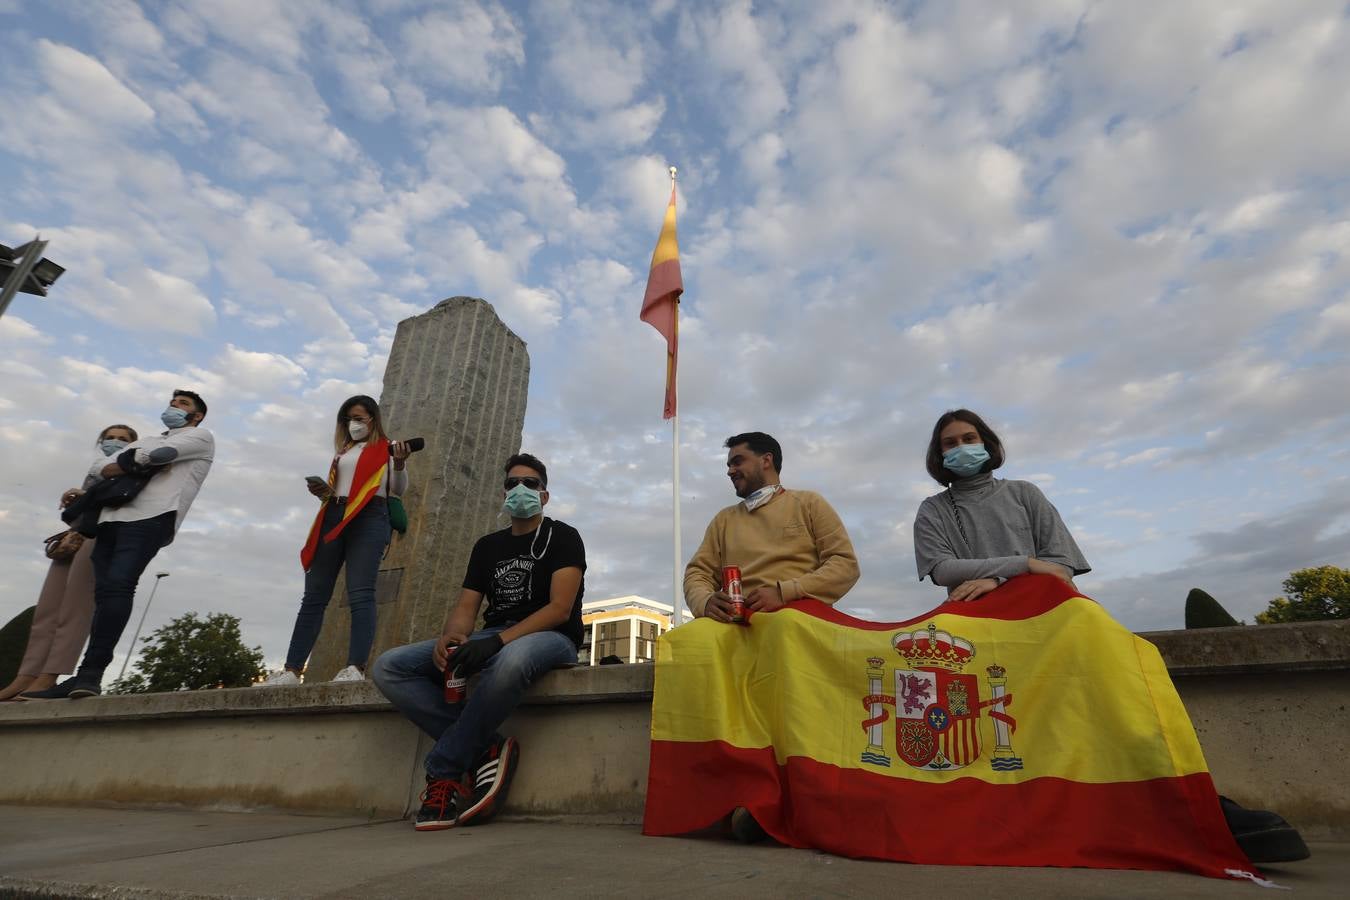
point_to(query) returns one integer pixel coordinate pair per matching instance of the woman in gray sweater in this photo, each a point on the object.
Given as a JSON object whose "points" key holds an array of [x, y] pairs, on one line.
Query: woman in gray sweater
{"points": [[981, 531]]}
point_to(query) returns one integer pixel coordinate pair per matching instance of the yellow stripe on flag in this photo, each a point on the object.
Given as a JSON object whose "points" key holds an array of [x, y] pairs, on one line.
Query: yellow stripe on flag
{"points": [[1091, 702], [667, 247], [355, 500]]}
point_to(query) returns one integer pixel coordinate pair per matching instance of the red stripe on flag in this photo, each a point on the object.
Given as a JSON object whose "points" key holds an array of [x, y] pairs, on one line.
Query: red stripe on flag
{"points": [[659, 304], [1169, 824], [1023, 597]]}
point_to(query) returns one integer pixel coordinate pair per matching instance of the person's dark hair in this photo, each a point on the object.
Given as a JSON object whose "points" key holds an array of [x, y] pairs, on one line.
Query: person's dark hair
{"points": [[992, 445], [129, 430], [759, 443], [196, 399], [525, 459], [342, 438]]}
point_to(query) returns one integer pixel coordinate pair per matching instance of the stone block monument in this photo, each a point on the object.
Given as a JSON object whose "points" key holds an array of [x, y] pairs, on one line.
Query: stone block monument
{"points": [[458, 377]]}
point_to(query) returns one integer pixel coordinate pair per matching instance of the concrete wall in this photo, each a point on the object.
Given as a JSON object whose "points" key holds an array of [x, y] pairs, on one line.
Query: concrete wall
{"points": [[1269, 704], [329, 748]]}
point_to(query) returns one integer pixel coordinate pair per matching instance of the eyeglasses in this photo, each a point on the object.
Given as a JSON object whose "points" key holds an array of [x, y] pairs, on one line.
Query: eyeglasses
{"points": [[529, 481]]}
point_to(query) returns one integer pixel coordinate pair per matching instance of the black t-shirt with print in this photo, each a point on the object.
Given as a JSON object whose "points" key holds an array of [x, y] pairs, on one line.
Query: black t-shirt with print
{"points": [[514, 572]]}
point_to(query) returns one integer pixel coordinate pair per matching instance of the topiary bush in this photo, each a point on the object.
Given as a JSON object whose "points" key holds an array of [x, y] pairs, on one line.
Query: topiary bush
{"points": [[1203, 611]]}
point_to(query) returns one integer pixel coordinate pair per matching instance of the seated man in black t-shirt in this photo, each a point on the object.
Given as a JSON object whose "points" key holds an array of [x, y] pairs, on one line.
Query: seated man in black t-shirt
{"points": [[531, 575]]}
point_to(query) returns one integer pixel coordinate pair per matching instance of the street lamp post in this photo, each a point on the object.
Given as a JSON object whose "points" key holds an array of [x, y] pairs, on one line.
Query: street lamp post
{"points": [[24, 269], [144, 613]]}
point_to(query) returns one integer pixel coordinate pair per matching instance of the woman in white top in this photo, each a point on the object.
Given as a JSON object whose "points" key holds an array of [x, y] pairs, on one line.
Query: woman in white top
{"points": [[351, 529], [66, 604]]}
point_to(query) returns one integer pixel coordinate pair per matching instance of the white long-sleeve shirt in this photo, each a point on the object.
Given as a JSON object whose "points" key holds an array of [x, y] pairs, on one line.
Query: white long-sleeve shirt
{"points": [[173, 489], [397, 480]]}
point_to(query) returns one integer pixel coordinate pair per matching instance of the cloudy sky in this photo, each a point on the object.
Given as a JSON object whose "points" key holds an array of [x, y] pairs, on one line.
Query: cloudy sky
{"points": [[1117, 230]]}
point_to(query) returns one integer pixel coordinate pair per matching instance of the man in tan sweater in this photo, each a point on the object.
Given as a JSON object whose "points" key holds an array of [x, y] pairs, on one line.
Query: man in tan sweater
{"points": [[789, 544]]}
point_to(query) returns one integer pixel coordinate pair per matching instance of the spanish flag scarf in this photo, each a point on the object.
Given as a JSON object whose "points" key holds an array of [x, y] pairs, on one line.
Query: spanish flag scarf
{"points": [[370, 469]]}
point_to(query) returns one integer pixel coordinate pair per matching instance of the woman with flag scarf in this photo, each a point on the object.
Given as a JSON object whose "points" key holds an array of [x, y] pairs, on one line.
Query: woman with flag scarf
{"points": [[351, 529]]}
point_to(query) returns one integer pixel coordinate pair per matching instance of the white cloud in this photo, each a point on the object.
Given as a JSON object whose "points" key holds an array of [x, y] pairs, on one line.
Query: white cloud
{"points": [[1152, 454], [470, 49], [593, 55], [85, 86], [1254, 212], [1117, 236], [255, 373], [732, 41]]}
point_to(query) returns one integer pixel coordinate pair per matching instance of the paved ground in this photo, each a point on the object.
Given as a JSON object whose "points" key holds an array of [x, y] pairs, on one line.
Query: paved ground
{"points": [[126, 854]]}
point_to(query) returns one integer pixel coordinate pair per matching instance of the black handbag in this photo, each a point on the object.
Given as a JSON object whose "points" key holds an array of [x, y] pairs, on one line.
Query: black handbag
{"points": [[82, 514]]}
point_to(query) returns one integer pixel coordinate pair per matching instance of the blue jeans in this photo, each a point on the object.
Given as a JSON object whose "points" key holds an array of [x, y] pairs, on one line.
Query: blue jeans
{"points": [[122, 552], [360, 545], [462, 731]]}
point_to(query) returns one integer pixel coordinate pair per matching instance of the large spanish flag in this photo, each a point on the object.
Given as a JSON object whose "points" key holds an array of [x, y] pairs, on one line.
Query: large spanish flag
{"points": [[1027, 728], [661, 303]]}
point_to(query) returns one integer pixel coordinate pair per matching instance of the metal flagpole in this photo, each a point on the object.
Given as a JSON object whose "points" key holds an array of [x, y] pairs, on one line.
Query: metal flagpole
{"points": [[675, 462], [678, 592]]}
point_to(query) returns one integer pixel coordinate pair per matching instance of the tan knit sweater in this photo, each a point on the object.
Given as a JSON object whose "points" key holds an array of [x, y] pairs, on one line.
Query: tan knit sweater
{"points": [[795, 541]]}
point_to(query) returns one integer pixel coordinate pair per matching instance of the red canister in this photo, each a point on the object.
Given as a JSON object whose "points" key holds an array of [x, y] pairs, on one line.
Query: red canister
{"points": [[454, 682], [731, 584]]}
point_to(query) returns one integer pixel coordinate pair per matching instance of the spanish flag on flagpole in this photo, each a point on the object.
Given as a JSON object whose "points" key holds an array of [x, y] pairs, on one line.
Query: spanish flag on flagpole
{"points": [[1026, 729], [661, 303]]}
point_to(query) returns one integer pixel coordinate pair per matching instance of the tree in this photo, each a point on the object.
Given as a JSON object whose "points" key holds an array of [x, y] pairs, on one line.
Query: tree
{"points": [[190, 654], [1318, 593]]}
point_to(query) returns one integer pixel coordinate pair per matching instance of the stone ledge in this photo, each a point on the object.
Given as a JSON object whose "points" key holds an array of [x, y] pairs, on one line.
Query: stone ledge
{"points": [[1255, 649], [1239, 650], [579, 685]]}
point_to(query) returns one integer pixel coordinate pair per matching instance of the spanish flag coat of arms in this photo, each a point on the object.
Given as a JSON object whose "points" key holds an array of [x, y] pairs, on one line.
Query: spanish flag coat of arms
{"points": [[1028, 728]]}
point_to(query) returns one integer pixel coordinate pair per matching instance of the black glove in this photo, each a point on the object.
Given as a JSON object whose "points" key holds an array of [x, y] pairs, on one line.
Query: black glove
{"points": [[471, 657]]}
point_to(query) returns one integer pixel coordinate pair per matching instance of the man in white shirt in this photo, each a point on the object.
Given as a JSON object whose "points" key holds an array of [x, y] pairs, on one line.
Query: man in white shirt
{"points": [[130, 535]]}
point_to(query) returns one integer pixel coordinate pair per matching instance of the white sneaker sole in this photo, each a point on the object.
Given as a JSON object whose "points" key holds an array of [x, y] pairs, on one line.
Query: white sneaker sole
{"points": [[498, 773]]}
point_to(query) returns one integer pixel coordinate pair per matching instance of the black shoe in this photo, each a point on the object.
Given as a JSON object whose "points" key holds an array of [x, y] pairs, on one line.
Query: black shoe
{"points": [[744, 827], [440, 804], [496, 768], [70, 689], [1262, 835]]}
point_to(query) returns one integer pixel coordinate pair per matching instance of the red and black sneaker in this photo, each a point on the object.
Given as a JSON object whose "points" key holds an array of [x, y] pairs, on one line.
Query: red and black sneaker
{"points": [[441, 802], [496, 768]]}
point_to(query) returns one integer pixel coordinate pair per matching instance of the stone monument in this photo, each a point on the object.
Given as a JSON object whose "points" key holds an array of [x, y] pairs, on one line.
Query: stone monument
{"points": [[458, 377]]}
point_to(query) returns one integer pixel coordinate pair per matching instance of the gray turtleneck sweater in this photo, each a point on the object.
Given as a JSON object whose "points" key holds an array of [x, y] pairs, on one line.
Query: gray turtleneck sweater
{"points": [[1005, 522]]}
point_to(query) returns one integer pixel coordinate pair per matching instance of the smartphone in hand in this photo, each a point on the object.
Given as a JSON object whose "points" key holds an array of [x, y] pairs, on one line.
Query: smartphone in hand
{"points": [[316, 481]]}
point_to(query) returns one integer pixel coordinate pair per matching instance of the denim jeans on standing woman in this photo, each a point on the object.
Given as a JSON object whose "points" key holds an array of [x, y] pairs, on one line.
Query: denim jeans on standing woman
{"points": [[409, 678], [360, 545]]}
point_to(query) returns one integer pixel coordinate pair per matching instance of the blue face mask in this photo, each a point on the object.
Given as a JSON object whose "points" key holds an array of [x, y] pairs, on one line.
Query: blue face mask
{"points": [[522, 503], [965, 460], [173, 417], [112, 446]]}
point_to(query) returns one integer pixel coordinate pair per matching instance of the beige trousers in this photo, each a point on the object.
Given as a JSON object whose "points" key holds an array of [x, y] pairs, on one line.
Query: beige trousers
{"points": [[61, 621]]}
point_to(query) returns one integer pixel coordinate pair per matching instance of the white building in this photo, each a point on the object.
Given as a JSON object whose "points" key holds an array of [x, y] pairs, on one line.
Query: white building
{"points": [[626, 627]]}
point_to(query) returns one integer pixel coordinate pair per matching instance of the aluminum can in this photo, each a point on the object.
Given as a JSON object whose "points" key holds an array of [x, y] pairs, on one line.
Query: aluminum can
{"points": [[731, 583], [454, 682]]}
